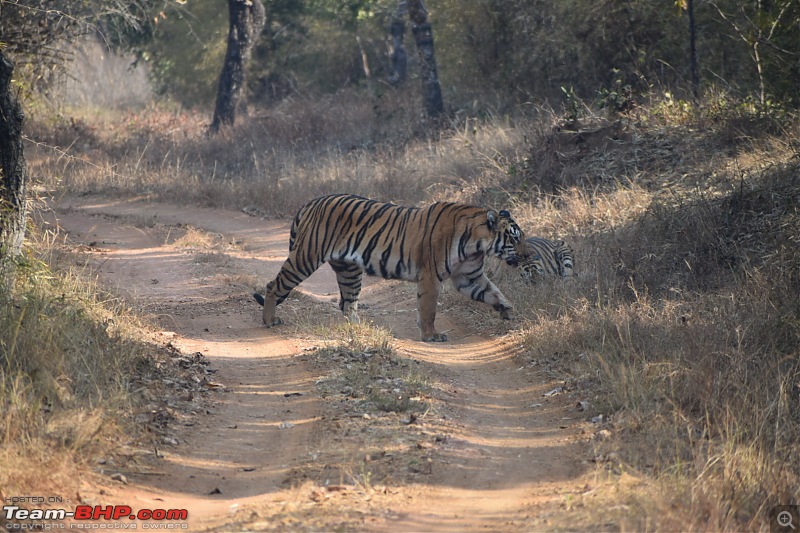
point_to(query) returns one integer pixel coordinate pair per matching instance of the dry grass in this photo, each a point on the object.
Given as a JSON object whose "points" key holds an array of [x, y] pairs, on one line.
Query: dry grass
{"points": [[59, 388], [272, 163], [683, 326], [73, 359]]}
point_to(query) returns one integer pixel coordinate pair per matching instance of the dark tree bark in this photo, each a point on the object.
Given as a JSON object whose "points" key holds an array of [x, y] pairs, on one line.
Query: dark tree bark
{"points": [[13, 175], [397, 48], [423, 37], [693, 50], [247, 18]]}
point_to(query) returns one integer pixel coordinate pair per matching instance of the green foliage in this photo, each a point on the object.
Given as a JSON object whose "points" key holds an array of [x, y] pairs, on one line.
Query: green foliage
{"points": [[186, 52], [529, 49], [572, 105], [316, 47], [490, 53], [618, 98]]}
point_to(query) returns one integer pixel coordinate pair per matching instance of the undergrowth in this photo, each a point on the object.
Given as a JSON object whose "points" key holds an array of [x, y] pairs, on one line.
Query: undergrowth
{"points": [[69, 353], [684, 325], [368, 370]]}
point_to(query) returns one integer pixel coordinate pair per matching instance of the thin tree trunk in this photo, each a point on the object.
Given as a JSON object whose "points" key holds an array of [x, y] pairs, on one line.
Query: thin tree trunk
{"points": [[397, 49], [247, 18], [755, 41], [13, 174], [693, 50], [423, 37], [364, 60]]}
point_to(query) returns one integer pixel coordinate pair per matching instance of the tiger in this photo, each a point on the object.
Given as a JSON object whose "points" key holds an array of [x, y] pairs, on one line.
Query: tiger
{"points": [[543, 256], [427, 245]]}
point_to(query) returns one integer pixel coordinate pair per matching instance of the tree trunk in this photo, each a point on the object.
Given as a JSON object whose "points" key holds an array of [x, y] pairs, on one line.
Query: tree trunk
{"points": [[397, 49], [13, 175], [693, 51], [247, 18], [423, 37]]}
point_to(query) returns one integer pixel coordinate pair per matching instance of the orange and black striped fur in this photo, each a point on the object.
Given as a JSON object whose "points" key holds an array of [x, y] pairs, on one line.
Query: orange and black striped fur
{"points": [[425, 245], [543, 256]]}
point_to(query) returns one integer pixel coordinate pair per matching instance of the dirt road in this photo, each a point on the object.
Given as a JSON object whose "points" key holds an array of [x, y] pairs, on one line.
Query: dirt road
{"points": [[269, 452]]}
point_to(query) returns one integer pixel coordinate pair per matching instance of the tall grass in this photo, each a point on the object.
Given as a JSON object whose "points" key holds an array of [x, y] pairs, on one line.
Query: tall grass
{"points": [[683, 328], [273, 162]]}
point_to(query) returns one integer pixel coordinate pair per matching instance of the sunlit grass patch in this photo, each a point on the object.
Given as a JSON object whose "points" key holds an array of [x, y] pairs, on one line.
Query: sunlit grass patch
{"points": [[365, 367]]}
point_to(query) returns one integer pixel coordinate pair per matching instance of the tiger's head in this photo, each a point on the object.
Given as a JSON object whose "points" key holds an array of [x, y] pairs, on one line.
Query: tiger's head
{"points": [[509, 242]]}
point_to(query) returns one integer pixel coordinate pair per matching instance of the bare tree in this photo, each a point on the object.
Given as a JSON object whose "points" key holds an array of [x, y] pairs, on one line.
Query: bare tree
{"points": [[37, 33], [397, 49], [423, 37], [13, 174], [753, 33], [247, 19]]}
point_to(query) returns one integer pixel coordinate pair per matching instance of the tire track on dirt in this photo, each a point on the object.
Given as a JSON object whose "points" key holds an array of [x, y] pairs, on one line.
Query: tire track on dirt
{"points": [[509, 457], [239, 453], [507, 461]]}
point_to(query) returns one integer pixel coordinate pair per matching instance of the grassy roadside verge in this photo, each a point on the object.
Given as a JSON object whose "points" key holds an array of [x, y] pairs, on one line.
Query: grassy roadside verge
{"points": [[683, 328], [77, 377]]}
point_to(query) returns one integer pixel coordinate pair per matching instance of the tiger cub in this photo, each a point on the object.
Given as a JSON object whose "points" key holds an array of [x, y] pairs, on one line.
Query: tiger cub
{"points": [[543, 256]]}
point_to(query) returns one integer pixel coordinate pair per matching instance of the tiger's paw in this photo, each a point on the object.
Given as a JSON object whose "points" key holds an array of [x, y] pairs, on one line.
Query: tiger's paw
{"points": [[274, 322], [352, 317], [436, 337]]}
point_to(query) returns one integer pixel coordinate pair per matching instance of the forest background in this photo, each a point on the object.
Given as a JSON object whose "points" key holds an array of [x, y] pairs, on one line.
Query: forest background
{"points": [[660, 138]]}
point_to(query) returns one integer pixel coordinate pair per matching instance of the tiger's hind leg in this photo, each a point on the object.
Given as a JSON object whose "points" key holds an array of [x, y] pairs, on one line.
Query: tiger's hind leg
{"points": [[564, 256], [270, 302], [427, 297], [348, 275], [279, 288]]}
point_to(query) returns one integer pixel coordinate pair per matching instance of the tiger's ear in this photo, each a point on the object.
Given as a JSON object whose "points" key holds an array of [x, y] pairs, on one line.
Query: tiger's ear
{"points": [[505, 214], [491, 217]]}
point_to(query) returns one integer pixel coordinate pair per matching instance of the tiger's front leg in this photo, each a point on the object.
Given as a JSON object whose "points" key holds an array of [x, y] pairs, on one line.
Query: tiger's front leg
{"points": [[479, 288]]}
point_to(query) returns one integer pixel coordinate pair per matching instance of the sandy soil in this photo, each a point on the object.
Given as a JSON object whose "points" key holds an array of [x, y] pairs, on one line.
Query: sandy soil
{"points": [[268, 451]]}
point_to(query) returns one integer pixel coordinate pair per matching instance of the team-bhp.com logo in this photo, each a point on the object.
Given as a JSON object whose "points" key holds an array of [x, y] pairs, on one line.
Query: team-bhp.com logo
{"points": [[90, 517]]}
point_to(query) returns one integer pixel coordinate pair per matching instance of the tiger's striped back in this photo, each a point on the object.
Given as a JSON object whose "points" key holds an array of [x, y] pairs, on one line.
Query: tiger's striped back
{"points": [[392, 241], [545, 257]]}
